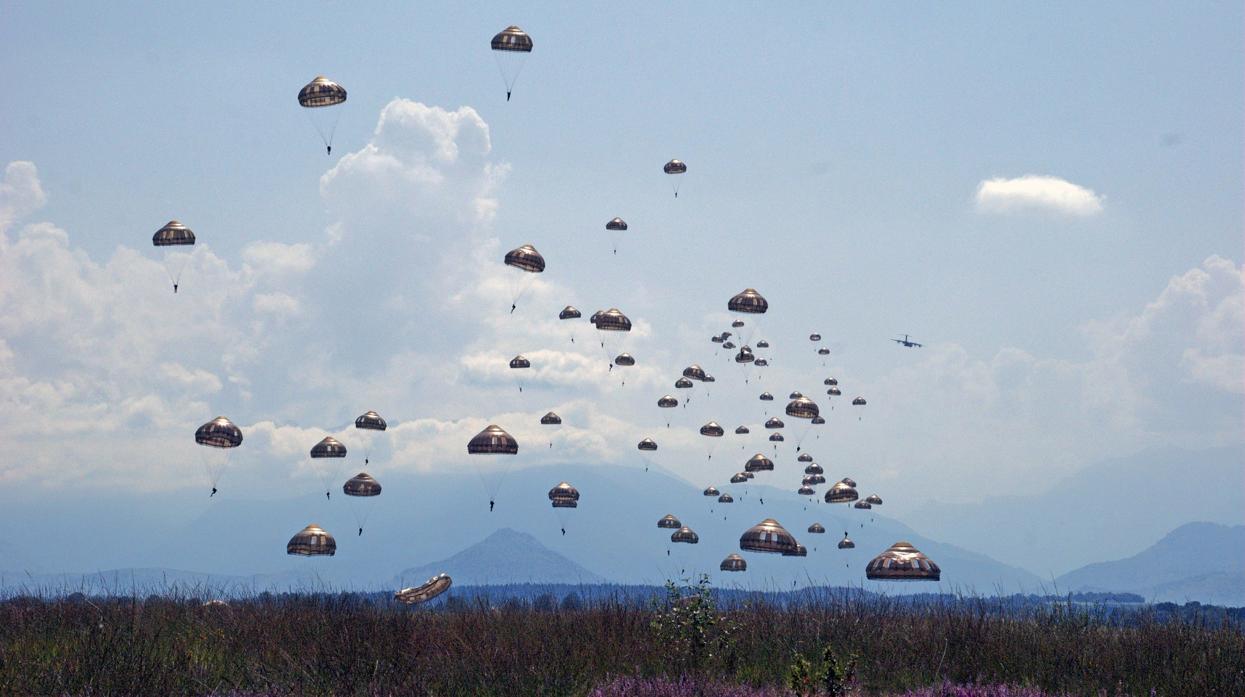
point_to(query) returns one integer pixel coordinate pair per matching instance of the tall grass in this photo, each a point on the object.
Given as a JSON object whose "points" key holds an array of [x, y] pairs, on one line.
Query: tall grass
{"points": [[341, 644]]}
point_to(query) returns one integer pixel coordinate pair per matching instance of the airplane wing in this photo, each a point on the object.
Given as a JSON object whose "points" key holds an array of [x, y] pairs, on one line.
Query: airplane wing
{"points": [[916, 344]]}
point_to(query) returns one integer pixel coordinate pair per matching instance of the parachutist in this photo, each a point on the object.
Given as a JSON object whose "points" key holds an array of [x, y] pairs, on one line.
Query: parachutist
{"points": [[490, 506], [213, 493], [507, 96], [328, 495], [564, 532], [667, 552], [762, 502], [328, 149], [360, 532], [512, 306], [174, 289]]}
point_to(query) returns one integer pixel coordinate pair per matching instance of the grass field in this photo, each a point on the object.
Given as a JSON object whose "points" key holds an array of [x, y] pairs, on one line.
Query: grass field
{"points": [[330, 644]]}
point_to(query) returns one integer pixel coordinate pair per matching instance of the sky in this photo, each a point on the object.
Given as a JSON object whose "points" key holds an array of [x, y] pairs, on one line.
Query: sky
{"points": [[1047, 197]]}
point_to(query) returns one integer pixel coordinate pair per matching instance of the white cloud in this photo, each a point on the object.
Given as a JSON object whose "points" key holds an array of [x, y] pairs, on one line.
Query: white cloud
{"points": [[1037, 192], [20, 192]]}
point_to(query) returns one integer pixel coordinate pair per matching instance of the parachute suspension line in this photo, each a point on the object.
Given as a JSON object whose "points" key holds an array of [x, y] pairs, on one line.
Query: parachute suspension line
{"points": [[501, 68]]}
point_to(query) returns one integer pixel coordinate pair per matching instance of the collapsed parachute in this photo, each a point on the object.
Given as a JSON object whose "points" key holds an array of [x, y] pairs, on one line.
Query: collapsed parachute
{"points": [[423, 593]]}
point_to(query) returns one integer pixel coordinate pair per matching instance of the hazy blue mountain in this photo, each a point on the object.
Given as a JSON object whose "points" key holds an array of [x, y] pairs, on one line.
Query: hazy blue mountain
{"points": [[434, 516], [504, 557], [1197, 561], [1106, 511]]}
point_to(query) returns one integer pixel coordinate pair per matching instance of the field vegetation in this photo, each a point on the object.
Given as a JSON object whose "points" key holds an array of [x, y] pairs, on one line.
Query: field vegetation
{"points": [[686, 643]]}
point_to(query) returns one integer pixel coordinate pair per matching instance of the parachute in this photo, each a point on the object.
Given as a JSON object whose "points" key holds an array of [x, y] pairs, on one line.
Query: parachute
{"points": [[647, 446], [315, 96], [846, 542], [493, 440], [219, 436], [759, 463], [510, 47], [675, 167], [363, 486], [768, 536], [368, 425], [748, 301], [814, 337], [527, 260], [902, 562], [311, 541], [614, 327], [817, 529], [519, 363], [551, 419], [563, 498], [733, 562], [326, 457], [421, 594], [669, 522], [874, 500], [711, 491], [860, 402], [739, 478], [762, 344], [685, 535], [799, 551], [726, 498], [616, 226], [624, 360], [841, 492], [737, 323], [570, 312], [172, 237], [713, 432]]}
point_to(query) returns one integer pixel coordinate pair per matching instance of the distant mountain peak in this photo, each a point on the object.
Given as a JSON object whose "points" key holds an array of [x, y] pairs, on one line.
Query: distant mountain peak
{"points": [[504, 556]]}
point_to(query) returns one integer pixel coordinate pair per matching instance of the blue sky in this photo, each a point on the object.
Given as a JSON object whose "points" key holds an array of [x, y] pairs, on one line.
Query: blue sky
{"points": [[836, 154]]}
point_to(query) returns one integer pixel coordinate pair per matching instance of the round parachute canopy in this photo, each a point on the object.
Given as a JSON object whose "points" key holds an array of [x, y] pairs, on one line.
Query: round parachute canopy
{"points": [[734, 562], [849, 481], [841, 493], [749, 475], [493, 441], [667, 402], [520, 362], [795, 394], [737, 323], [362, 484], [762, 344], [758, 463], [512, 38], [814, 337], [816, 479], [799, 551], [421, 594], [569, 312], [823, 351], [219, 433], [776, 437], [669, 522], [312, 541], [674, 167], [760, 362], [814, 468], [710, 378], [716, 339], [874, 500], [831, 382], [742, 431], [846, 542], [859, 402], [739, 478], [616, 224], [321, 92], [370, 421], [647, 444], [748, 301], [808, 480], [694, 372], [818, 420], [563, 491], [902, 562], [802, 408], [624, 359], [712, 430], [612, 320], [766, 397], [728, 344], [834, 392], [173, 234], [328, 447], [551, 419], [595, 315], [804, 457], [774, 422], [744, 355], [726, 498], [767, 536], [525, 258], [862, 505], [711, 491], [725, 335], [806, 490], [685, 534], [683, 384], [817, 529]]}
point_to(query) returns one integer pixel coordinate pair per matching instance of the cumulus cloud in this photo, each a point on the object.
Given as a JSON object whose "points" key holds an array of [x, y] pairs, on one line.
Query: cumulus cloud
{"points": [[20, 192], [1037, 192]]}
